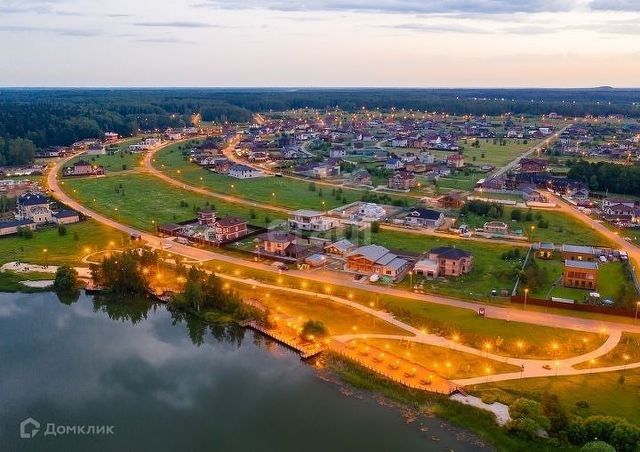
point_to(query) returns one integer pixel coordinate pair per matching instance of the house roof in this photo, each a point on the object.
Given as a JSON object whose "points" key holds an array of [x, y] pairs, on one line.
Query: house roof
{"points": [[581, 264], [306, 213], [342, 245], [370, 252], [66, 214], [240, 167], [578, 249], [12, 223], [448, 252], [33, 199], [426, 214], [278, 236], [230, 221]]}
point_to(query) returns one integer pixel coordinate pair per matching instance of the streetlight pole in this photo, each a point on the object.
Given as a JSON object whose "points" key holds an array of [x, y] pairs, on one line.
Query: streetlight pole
{"points": [[526, 293], [635, 319]]}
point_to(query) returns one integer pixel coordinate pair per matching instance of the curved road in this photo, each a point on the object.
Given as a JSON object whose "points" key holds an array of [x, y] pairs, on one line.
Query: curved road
{"points": [[344, 280]]}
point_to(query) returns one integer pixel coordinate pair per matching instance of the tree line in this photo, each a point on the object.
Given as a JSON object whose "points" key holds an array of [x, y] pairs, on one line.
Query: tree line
{"points": [[62, 116], [605, 176]]}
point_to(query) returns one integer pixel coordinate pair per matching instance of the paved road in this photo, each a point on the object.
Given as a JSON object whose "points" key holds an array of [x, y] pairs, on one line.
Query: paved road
{"points": [[537, 147], [150, 168], [620, 242], [148, 164], [328, 277]]}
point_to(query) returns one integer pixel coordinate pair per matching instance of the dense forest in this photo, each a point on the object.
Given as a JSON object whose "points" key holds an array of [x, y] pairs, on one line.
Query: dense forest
{"points": [[49, 117], [604, 176]]}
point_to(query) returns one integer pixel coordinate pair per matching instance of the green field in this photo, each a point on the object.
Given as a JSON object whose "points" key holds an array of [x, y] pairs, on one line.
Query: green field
{"points": [[112, 162], [278, 191], [458, 181], [603, 393], [141, 199], [92, 237], [489, 272], [610, 279], [561, 228], [494, 154]]}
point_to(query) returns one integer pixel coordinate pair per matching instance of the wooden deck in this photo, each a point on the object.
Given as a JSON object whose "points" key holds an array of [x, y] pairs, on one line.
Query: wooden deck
{"points": [[304, 349]]}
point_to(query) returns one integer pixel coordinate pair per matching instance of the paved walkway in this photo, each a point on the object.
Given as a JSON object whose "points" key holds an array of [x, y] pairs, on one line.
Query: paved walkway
{"points": [[532, 367], [201, 255]]}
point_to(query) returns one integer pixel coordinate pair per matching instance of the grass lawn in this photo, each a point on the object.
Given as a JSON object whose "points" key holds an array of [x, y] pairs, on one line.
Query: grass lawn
{"points": [[472, 330], [562, 228], [112, 161], [92, 236], [610, 279], [488, 197], [604, 394], [144, 198], [494, 154], [626, 352], [337, 318], [447, 363], [489, 272], [458, 182], [278, 191], [10, 282]]}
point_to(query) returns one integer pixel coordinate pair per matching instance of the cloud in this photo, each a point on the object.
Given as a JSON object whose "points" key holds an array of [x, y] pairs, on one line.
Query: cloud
{"points": [[439, 28], [399, 6], [178, 24], [34, 7], [615, 5], [164, 40], [57, 31], [468, 29]]}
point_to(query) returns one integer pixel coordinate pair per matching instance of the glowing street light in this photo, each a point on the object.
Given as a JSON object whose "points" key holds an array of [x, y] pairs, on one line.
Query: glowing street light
{"points": [[526, 294]]}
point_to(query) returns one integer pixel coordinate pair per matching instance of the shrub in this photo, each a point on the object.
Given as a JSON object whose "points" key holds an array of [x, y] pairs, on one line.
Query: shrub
{"points": [[62, 230], [66, 278], [314, 328], [598, 446]]}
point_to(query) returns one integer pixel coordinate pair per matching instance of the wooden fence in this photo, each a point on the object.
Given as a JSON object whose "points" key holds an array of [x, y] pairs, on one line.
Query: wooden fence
{"points": [[519, 299]]}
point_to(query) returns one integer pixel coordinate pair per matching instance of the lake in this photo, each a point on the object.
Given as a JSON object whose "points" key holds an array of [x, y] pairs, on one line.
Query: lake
{"points": [[168, 382]]}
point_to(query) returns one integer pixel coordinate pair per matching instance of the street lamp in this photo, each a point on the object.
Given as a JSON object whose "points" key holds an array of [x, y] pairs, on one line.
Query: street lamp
{"points": [[635, 319], [526, 293], [46, 261]]}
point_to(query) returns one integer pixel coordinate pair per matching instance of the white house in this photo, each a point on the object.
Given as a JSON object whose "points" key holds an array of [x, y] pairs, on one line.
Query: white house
{"points": [[244, 172], [311, 220]]}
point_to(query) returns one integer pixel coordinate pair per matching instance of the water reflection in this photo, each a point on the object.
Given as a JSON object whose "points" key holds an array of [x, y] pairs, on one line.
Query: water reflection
{"points": [[133, 364]]}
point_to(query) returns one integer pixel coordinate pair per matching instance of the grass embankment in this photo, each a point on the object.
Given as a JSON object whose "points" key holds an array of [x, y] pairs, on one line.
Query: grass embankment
{"points": [[278, 191], [10, 281], [480, 422], [338, 319], [602, 392], [472, 330], [141, 199], [489, 272], [446, 362]]}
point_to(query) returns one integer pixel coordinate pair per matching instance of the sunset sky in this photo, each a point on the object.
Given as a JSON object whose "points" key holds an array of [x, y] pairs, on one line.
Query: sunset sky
{"points": [[441, 43]]}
